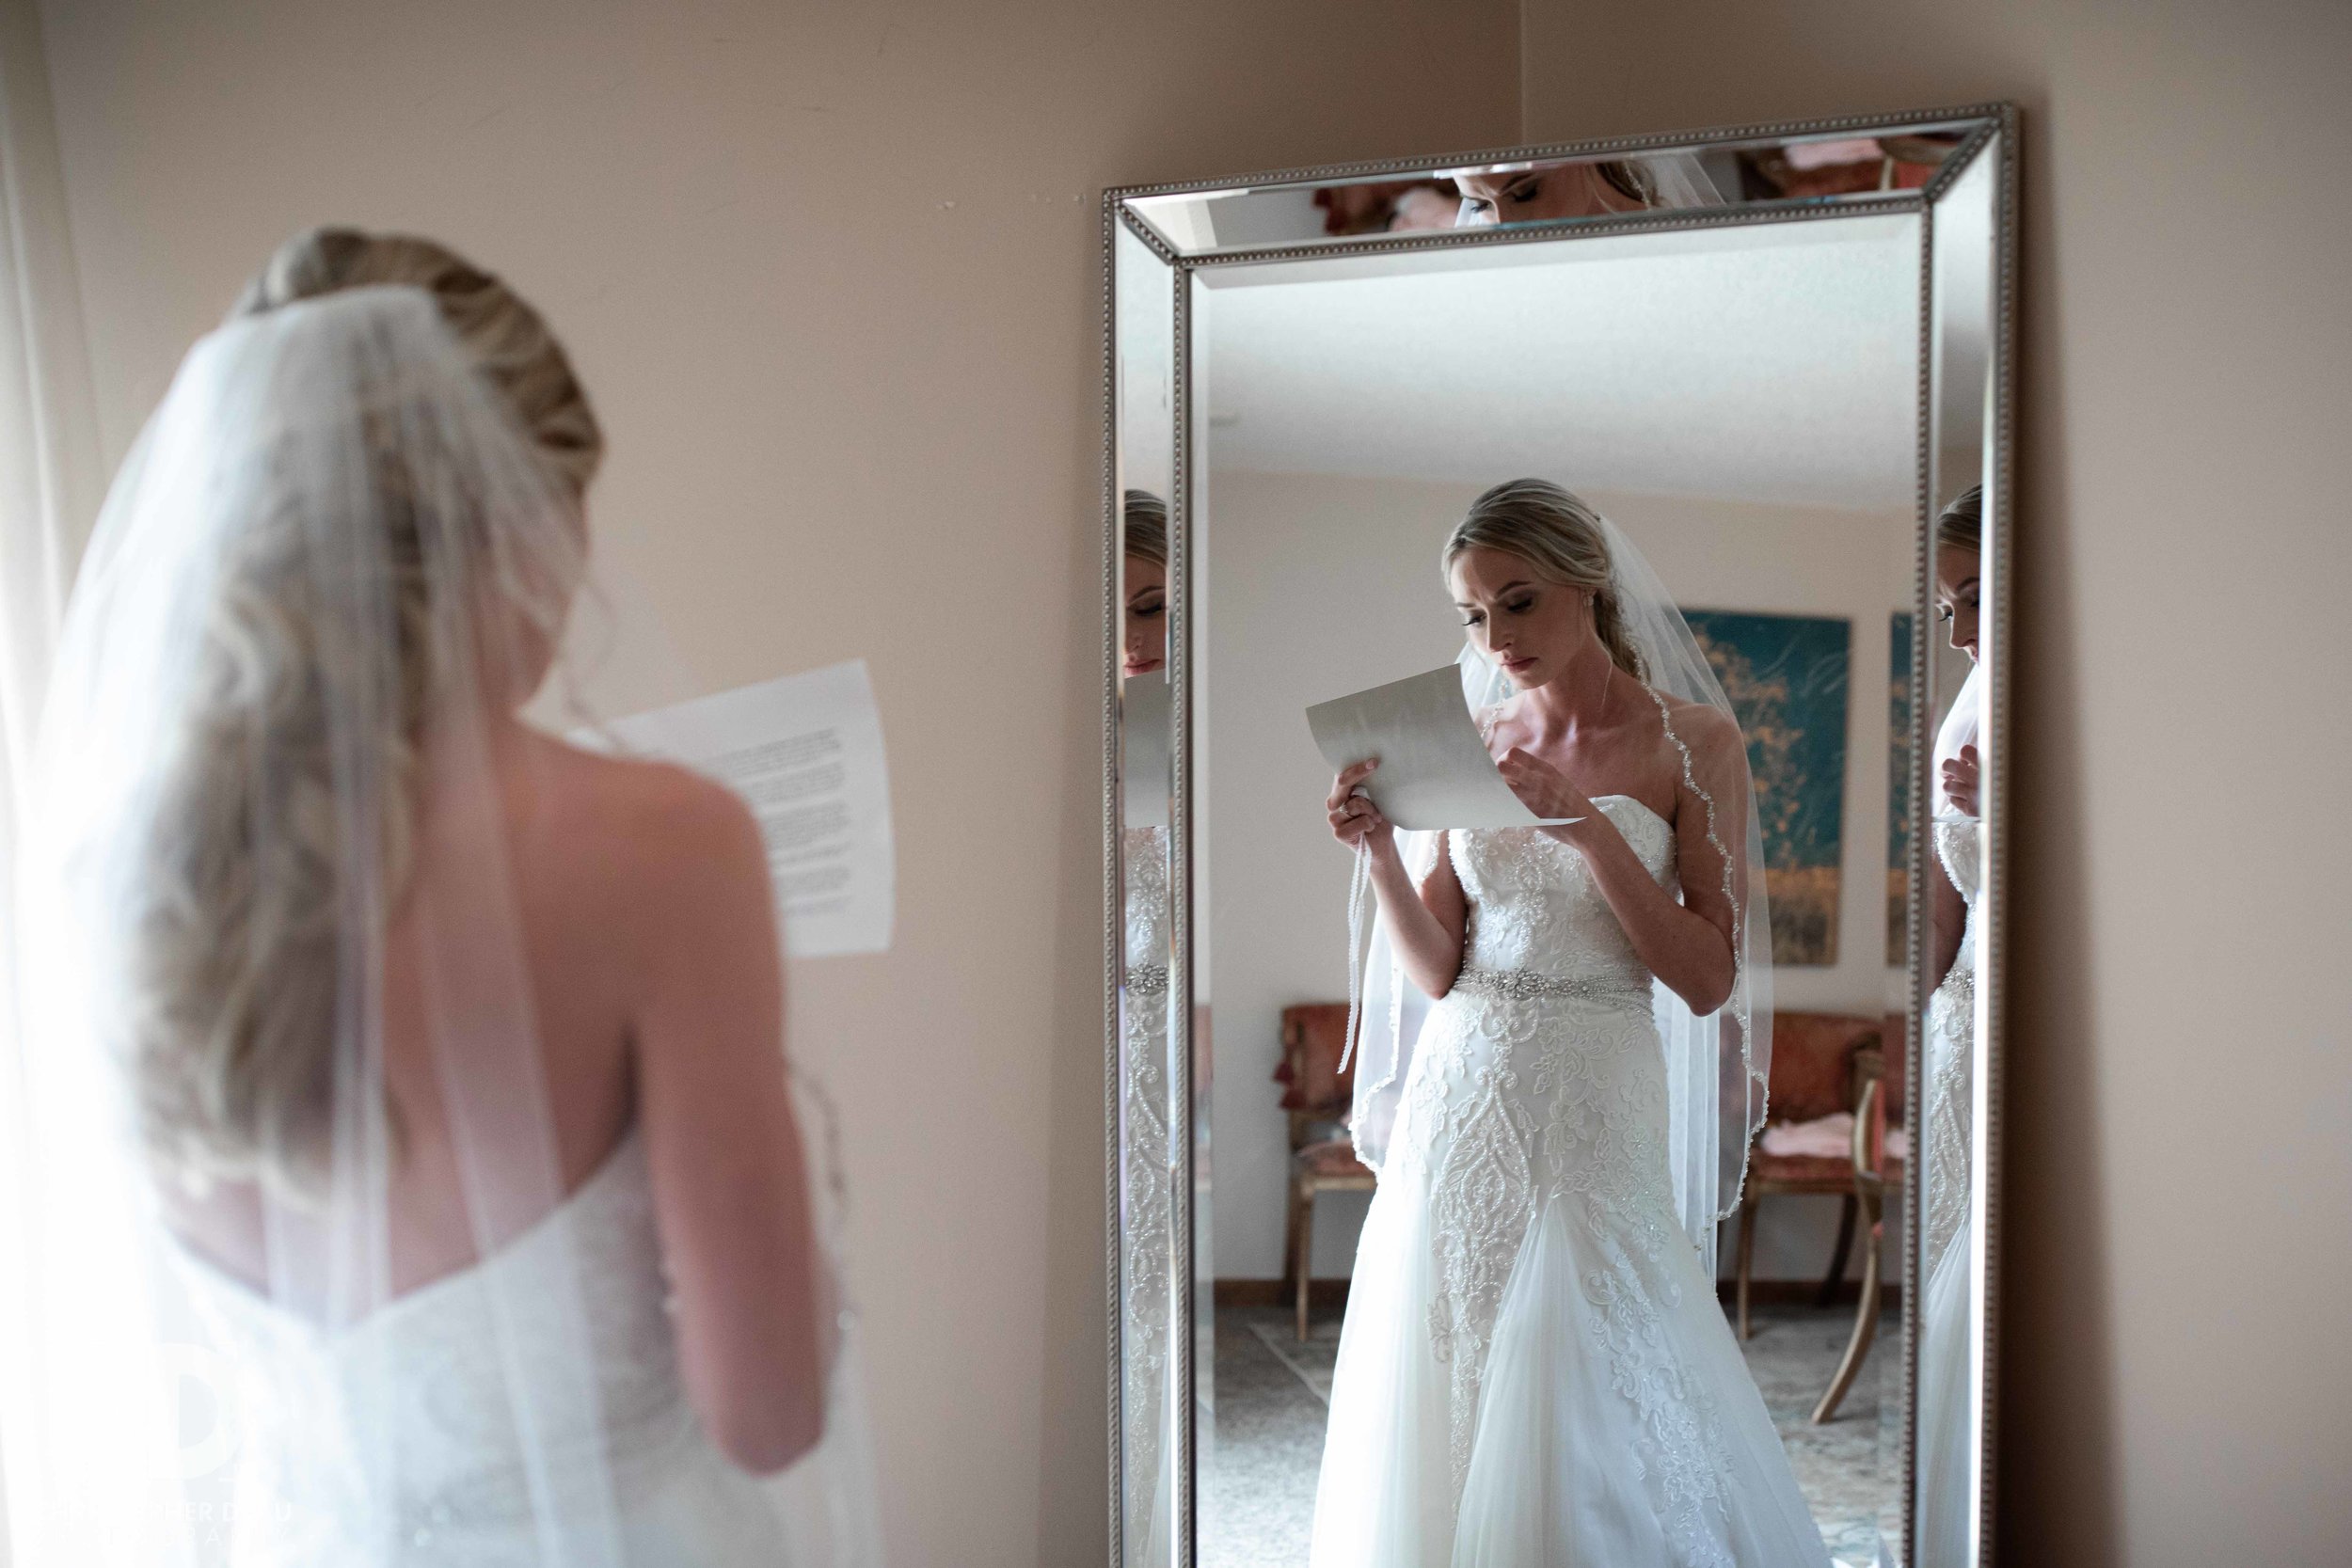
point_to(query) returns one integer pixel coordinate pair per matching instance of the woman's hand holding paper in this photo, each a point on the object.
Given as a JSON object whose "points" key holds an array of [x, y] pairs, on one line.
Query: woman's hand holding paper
{"points": [[1354, 820], [1545, 790]]}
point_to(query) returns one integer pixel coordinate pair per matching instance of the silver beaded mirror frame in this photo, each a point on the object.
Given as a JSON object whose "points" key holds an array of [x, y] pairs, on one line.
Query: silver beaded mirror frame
{"points": [[1952, 175]]}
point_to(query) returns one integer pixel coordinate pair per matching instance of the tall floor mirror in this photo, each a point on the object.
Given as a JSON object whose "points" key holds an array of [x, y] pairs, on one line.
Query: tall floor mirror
{"points": [[1555, 726]]}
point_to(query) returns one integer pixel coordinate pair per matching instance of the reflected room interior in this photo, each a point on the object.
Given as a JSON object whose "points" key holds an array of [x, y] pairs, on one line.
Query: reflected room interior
{"points": [[1745, 403], [1741, 404]]}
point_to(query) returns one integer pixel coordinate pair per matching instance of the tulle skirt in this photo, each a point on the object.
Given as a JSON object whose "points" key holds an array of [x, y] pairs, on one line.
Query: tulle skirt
{"points": [[1617, 1423], [1946, 1491]]}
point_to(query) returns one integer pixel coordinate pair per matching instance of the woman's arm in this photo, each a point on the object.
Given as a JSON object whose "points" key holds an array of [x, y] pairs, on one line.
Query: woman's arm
{"points": [[730, 1185], [1425, 922], [1708, 953]]}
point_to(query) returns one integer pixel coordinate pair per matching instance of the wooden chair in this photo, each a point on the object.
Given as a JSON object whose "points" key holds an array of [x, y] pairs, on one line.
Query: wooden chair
{"points": [[1876, 1162], [1318, 1095], [1820, 1068]]}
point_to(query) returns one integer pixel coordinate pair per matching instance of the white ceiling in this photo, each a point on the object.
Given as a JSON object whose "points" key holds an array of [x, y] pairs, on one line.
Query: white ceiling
{"points": [[1768, 363]]}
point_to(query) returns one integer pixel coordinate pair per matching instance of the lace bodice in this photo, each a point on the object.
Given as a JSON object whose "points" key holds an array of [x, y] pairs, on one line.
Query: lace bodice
{"points": [[1535, 907], [1950, 1037], [1147, 1178], [1144, 852], [428, 1382], [1959, 845]]}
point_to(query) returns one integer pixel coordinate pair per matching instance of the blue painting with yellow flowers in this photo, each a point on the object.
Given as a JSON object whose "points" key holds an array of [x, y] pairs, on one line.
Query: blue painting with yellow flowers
{"points": [[1788, 677]]}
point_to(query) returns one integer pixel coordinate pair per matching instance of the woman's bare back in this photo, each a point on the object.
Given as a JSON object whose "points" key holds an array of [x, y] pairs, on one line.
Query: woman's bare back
{"points": [[644, 915]]}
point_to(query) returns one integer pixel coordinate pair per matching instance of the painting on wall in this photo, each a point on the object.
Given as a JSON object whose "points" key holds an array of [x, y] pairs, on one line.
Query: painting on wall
{"points": [[1899, 788], [1786, 677]]}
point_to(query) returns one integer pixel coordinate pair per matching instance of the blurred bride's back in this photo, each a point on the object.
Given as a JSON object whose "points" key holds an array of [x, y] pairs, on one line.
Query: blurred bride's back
{"points": [[456, 1052]]}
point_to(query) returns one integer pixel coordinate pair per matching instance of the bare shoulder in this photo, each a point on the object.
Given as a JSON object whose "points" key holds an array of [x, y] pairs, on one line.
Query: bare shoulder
{"points": [[652, 821], [1712, 735]]}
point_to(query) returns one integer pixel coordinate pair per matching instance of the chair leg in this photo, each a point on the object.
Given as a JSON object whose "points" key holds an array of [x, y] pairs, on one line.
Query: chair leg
{"points": [[1306, 1252], [1866, 1321], [1289, 1234], [1839, 1254], [1747, 1258]]}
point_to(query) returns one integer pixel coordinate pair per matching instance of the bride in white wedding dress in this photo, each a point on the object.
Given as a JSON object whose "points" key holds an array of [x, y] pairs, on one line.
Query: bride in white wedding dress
{"points": [[405, 1168], [1148, 1166], [1945, 1486], [1534, 1368]]}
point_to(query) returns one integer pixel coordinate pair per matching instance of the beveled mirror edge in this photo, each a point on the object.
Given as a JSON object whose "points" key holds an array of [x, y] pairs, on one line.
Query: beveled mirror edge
{"points": [[1591, 146], [1921, 857], [2001, 559], [1114, 914], [1998, 124], [1997, 476], [1985, 117], [1183, 1332]]}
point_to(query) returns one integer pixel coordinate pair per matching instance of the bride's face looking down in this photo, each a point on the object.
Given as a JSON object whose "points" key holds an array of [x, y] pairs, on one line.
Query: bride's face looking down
{"points": [[1146, 647], [1143, 524], [1531, 628], [1956, 592], [1532, 194]]}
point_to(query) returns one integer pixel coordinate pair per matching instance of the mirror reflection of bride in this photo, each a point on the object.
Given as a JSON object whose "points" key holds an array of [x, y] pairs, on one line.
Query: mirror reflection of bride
{"points": [[1533, 1367], [1147, 1165], [1946, 1491]]}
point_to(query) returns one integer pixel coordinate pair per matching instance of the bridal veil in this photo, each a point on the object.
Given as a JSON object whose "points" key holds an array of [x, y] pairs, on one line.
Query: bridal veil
{"points": [[330, 559]]}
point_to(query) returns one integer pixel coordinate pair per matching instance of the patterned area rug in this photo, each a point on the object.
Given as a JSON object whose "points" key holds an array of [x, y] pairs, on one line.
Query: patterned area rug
{"points": [[1850, 1466], [1273, 1391], [1272, 1394]]}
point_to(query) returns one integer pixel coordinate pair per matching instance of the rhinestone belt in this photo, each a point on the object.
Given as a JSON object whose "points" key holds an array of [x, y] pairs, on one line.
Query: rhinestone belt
{"points": [[1525, 985], [1147, 979]]}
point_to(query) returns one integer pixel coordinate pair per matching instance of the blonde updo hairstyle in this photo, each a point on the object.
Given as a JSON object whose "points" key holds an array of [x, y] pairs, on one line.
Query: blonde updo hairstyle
{"points": [[1144, 522], [236, 948], [1960, 524], [1559, 535]]}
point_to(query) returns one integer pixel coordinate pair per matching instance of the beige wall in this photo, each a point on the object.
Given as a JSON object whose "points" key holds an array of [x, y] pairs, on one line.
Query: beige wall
{"points": [[831, 273], [2176, 1382]]}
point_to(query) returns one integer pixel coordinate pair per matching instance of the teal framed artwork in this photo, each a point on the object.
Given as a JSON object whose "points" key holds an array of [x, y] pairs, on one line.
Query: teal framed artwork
{"points": [[1787, 677]]}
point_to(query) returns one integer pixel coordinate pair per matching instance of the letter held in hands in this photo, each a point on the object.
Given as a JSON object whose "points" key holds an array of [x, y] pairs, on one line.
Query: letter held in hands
{"points": [[806, 753], [1434, 772]]}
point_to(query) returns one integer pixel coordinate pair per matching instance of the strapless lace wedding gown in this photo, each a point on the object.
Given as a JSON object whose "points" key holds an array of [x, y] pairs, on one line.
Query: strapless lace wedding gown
{"points": [[1947, 1497], [1146, 1204], [1533, 1370], [421, 1383]]}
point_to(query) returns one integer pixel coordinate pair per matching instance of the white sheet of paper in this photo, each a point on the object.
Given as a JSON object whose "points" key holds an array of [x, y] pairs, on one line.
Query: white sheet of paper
{"points": [[1144, 749], [806, 753], [1434, 772]]}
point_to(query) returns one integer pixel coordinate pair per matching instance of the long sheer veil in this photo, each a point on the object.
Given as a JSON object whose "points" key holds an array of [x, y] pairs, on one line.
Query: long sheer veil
{"points": [[330, 557], [1718, 1064]]}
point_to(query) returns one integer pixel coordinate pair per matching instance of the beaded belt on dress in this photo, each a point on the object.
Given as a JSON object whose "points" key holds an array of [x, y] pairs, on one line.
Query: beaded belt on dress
{"points": [[1147, 979], [1525, 985]]}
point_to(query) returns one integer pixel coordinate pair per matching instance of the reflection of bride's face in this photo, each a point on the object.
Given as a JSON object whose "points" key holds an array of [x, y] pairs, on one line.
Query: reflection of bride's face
{"points": [[1147, 616], [1529, 626], [1531, 195], [1956, 568]]}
